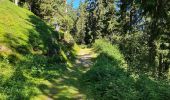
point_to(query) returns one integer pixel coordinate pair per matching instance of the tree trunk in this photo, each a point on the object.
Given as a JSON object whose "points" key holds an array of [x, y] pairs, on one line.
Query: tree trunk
{"points": [[16, 2], [123, 15]]}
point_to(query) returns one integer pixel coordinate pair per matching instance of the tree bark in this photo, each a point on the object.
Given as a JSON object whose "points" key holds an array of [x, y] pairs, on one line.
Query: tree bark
{"points": [[16, 2]]}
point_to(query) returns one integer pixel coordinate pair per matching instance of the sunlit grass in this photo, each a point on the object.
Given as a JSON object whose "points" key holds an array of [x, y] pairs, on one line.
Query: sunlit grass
{"points": [[6, 71], [29, 74]]}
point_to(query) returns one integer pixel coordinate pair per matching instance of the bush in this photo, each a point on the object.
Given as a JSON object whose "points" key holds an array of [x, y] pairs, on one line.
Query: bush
{"points": [[110, 51], [135, 49], [108, 79], [150, 89]]}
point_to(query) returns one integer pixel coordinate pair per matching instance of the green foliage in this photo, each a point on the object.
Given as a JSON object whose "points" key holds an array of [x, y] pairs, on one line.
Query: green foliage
{"points": [[53, 11], [21, 81], [151, 89], [34, 59], [31, 53], [135, 49], [97, 23], [23, 32], [78, 30], [110, 50], [141, 26], [108, 79]]}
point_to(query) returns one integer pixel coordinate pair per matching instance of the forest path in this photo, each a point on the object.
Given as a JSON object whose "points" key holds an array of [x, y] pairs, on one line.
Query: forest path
{"points": [[67, 86], [85, 57]]}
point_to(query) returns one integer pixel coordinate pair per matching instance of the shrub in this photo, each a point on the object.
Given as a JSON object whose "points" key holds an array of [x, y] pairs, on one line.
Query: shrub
{"points": [[108, 79]]}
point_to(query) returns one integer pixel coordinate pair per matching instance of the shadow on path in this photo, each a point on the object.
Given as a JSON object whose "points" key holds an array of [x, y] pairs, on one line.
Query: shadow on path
{"points": [[66, 85]]}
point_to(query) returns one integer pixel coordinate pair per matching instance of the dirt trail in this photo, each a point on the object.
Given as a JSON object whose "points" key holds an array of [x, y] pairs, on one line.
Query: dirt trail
{"points": [[67, 85], [84, 57]]}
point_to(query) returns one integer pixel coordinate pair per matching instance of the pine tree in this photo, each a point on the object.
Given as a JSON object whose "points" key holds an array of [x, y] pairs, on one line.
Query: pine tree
{"points": [[158, 42], [101, 20]]}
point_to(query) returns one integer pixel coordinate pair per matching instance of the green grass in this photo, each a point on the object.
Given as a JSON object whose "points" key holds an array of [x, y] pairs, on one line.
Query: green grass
{"points": [[22, 32], [37, 64], [30, 66], [109, 79]]}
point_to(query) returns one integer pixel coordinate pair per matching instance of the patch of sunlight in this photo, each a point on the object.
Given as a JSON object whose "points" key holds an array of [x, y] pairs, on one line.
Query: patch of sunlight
{"points": [[3, 96], [40, 97], [76, 48], [4, 48], [42, 81], [68, 37], [68, 92], [46, 82], [59, 92], [34, 90], [66, 59], [58, 80], [6, 71], [37, 80], [89, 51]]}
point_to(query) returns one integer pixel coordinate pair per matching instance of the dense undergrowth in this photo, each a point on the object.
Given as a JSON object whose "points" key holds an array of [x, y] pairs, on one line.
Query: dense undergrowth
{"points": [[31, 53], [109, 78], [36, 61]]}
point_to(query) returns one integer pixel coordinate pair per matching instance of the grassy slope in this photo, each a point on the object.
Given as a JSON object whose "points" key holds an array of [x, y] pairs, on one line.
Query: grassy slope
{"points": [[25, 72], [21, 32], [25, 37]]}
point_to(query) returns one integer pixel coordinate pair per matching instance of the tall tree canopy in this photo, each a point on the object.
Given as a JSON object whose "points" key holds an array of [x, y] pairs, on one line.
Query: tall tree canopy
{"points": [[140, 27]]}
